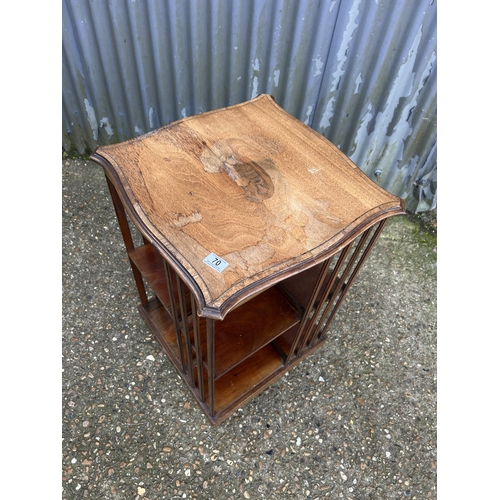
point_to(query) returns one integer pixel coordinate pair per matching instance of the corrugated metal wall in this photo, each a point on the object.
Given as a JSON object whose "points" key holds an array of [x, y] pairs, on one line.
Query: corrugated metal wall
{"points": [[360, 72]]}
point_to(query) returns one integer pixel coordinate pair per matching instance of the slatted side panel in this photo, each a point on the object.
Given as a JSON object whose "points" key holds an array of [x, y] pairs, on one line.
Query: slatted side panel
{"points": [[362, 73]]}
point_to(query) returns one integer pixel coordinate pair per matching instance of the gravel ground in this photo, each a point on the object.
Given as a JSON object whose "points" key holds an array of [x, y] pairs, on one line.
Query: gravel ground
{"points": [[356, 420]]}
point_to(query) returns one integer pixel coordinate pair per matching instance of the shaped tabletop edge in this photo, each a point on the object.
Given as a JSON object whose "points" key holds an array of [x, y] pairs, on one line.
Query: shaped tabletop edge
{"points": [[218, 307]]}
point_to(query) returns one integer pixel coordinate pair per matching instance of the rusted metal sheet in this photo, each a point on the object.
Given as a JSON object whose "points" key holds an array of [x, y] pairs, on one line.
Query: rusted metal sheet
{"points": [[361, 73]]}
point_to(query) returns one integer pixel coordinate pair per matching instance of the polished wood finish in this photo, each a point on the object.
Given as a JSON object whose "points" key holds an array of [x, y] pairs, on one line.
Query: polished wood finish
{"points": [[249, 183], [291, 215]]}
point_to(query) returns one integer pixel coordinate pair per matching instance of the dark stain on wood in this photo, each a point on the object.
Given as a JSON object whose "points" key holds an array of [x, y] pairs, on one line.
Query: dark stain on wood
{"points": [[232, 158], [249, 175]]}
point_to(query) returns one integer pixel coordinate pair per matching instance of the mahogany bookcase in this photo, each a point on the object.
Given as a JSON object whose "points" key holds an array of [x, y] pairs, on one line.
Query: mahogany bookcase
{"points": [[253, 228]]}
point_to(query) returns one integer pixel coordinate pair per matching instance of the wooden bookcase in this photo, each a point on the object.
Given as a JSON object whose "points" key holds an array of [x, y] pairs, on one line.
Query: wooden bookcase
{"points": [[254, 227]]}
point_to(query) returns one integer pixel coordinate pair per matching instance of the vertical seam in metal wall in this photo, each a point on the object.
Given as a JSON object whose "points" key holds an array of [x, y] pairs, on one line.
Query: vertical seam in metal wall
{"points": [[156, 70], [289, 58], [174, 68], [313, 117], [191, 48]]}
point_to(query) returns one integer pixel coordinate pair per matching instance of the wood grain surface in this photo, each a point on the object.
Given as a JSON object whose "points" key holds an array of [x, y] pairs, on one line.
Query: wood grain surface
{"points": [[251, 184]]}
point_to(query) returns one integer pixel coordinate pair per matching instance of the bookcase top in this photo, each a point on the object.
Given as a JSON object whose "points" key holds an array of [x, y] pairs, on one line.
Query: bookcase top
{"points": [[239, 198]]}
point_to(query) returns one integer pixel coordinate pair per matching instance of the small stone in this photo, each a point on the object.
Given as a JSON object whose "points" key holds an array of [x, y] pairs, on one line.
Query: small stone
{"points": [[140, 491], [343, 476], [299, 441], [321, 379], [187, 472], [246, 494], [150, 358]]}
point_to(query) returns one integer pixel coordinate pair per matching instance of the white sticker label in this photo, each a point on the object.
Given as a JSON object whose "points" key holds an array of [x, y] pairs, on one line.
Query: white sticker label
{"points": [[215, 262]]}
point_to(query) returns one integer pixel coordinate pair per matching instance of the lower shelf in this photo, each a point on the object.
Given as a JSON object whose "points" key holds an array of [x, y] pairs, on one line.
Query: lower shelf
{"points": [[162, 325], [253, 376], [242, 382]]}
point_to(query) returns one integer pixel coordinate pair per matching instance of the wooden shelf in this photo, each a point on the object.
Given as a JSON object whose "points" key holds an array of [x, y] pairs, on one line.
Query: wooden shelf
{"points": [[160, 321], [237, 384], [255, 374], [150, 265], [243, 331], [245, 378], [248, 328]]}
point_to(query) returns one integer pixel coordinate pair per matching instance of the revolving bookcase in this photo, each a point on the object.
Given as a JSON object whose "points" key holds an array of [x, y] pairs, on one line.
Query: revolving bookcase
{"points": [[253, 228]]}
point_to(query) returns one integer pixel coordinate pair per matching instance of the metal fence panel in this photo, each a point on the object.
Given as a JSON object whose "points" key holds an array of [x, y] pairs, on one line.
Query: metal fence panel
{"points": [[360, 72]]}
